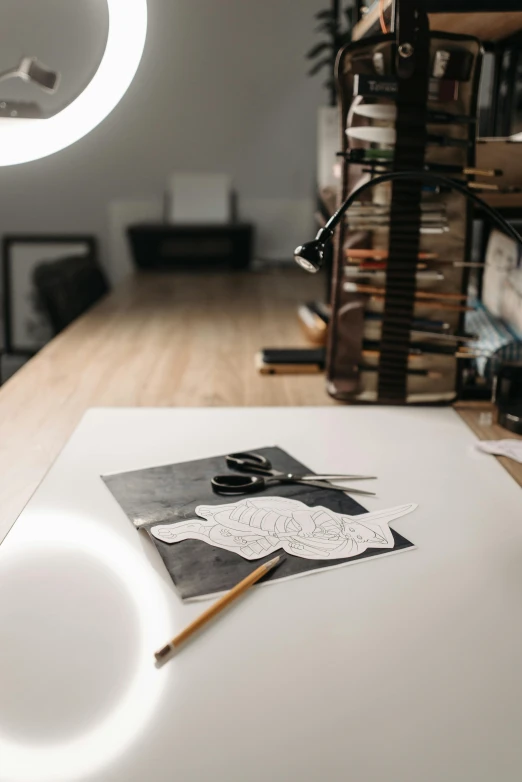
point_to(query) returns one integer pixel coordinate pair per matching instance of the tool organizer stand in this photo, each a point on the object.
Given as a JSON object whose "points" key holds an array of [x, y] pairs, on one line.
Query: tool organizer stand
{"points": [[372, 335]]}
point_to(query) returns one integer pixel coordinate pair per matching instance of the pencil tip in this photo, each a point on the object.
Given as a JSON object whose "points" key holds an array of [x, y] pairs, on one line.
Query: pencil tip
{"points": [[163, 653]]}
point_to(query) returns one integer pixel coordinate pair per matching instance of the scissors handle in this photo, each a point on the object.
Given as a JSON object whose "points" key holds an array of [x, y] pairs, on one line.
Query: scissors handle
{"points": [[252, 463], [237, 484]]}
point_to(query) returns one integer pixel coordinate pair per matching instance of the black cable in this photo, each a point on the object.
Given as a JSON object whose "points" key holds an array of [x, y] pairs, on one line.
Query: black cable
{"points": [[423, 176], [310, 256]]}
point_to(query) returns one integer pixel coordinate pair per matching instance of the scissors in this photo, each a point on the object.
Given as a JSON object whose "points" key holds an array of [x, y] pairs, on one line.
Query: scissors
{"points": [[261, 475]]}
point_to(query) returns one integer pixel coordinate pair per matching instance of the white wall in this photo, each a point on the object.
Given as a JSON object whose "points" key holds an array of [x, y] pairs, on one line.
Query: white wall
{"points": [[222, 87]]}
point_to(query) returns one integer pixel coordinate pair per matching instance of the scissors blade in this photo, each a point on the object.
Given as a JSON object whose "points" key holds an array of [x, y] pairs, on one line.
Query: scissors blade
{"points": [[319, 485], [338, 477]]}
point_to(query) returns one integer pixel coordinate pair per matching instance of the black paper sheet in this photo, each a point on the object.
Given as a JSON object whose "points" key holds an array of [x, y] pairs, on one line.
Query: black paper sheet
{"points": [[172, 492]]}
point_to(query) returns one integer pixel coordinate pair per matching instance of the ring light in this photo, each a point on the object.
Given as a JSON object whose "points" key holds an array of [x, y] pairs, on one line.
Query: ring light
{"points": [[23, 140]]}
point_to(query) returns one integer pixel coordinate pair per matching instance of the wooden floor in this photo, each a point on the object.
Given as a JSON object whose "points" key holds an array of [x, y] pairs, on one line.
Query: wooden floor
{"points": [[179, 340]]}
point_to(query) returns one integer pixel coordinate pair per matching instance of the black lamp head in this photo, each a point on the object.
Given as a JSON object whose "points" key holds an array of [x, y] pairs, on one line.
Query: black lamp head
{"points": [[310, 255]]}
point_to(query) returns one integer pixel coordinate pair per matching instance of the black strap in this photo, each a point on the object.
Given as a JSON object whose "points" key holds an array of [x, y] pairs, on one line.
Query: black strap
{"points": [[404, 238]]}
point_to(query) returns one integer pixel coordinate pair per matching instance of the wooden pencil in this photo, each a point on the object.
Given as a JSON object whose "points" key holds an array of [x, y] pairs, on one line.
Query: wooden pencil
{"points": [[363, 288], [377, 265], [481, 186], [410, 372], [216, 608], [430, 305], [461, 264], [369, 265], [377, 354], [381, 255]]}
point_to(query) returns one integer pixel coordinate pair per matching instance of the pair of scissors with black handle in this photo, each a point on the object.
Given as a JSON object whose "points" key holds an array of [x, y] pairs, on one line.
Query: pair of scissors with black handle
{"points": [[261, 474]]}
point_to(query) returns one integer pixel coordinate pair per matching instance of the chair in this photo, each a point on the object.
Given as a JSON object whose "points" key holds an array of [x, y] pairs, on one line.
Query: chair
{"points": [[69, 287]]}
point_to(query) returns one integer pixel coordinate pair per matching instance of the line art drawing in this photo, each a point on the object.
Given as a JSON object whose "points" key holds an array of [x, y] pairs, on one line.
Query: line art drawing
{"points": [[254, 528]]}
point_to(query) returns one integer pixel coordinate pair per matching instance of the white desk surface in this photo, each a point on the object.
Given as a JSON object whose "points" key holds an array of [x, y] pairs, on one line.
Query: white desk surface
{"points": [[402, 669]]}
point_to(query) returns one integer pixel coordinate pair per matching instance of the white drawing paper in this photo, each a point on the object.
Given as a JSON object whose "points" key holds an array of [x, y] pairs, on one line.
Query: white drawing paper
{"points": [[256, 527]]}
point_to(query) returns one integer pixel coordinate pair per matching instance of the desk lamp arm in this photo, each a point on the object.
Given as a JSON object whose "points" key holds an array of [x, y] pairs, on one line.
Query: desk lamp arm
{"points": [[310, 255]]}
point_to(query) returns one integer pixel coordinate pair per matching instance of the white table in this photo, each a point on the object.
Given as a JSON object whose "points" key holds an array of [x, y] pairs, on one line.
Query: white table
{"points": [[402, 669]]}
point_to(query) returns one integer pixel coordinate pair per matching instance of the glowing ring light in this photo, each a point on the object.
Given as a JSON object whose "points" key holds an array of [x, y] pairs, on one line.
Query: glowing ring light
{"points": [[23, 140]]}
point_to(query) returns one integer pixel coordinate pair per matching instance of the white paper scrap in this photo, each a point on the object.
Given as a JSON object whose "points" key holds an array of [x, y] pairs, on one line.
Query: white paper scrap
{"points": [[511, 448]]}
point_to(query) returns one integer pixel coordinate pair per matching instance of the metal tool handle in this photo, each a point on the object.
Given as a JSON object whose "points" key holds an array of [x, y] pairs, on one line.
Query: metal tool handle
{"points": [[249, 462], [237, 484]]}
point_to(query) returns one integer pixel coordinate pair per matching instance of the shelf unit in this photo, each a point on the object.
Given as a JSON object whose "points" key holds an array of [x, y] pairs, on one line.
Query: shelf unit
{"points": [[397, 338], [485, 25]]}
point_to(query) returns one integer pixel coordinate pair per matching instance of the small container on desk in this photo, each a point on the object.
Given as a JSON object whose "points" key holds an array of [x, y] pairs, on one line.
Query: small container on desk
{"points": [[507, 394], [163, 247]]}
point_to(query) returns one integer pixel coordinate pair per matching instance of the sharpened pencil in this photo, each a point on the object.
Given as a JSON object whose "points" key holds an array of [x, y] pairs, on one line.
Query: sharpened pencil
{"points": [[216, 608], [377, 254], [363, 288]]}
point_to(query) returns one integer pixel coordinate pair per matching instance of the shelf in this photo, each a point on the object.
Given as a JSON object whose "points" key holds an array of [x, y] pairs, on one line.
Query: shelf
{"points": [[492, 26], [487, 26], [503, 200]]}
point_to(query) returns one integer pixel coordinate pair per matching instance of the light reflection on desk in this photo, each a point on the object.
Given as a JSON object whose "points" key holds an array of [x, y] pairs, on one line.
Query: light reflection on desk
{"points": [[81, 613]]}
